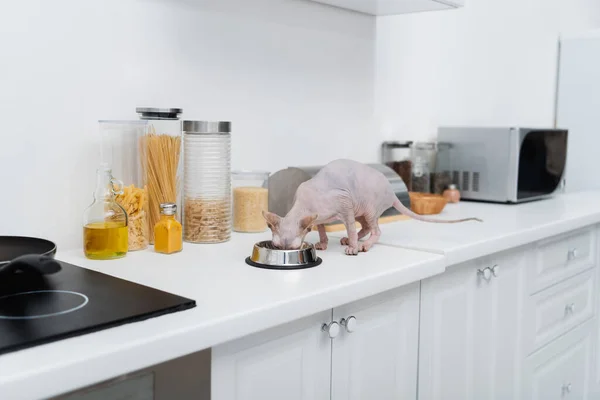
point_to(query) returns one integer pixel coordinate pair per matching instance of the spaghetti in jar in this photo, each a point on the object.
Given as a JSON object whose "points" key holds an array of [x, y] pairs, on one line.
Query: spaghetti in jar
{"points": [[160, 150]]}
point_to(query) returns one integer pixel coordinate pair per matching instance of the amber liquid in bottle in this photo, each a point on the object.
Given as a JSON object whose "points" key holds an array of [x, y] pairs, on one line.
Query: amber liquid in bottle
{"points": [[105, 233], [105, 240]]}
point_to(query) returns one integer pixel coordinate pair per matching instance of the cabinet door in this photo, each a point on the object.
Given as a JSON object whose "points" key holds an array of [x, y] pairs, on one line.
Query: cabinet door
{"points": [[288, 362], [561, 370], [470, 340], [378, 359]]}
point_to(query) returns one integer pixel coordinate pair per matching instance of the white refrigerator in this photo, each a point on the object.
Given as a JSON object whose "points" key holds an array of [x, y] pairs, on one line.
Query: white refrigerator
{"points": [[578, 108]]}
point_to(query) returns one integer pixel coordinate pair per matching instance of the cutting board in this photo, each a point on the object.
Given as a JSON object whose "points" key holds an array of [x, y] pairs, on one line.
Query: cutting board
{"points": [[382, 220]]}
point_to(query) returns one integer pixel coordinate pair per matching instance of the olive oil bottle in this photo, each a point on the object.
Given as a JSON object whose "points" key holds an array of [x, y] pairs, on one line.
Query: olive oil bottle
{"points": [[105, 233]]}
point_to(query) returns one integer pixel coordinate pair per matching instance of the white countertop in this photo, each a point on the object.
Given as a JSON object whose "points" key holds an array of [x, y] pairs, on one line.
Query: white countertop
{"points": [[233, 300], [504, 226]]}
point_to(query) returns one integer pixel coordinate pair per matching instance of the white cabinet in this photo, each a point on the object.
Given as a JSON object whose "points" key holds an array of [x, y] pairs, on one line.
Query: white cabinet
{"points": [[375, 355], [471, 330], [292, 362], [561, 371], [391, 7]]}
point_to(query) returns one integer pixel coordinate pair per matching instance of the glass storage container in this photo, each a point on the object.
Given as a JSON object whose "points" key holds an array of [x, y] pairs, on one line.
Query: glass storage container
{"points": [[160, 152], [426, 151], [421, 182], [250, 199], [397, 156], [207, 181], [441, 177], [119, 151]]}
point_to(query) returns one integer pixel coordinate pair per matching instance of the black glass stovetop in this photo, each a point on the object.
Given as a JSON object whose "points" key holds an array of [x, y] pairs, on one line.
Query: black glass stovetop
{"points": [[72, 302]]}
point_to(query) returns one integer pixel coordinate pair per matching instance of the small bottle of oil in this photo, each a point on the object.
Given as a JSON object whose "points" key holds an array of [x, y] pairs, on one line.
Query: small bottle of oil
{"points": [[105, 222], [167, 231]]}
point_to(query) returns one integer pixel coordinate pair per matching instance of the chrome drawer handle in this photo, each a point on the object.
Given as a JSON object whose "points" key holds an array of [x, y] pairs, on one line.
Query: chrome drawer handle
{"points": [[572, 254], [570, 308], [349, 323], [485, 273], [496, 270], [566, 388], [332, 329]]}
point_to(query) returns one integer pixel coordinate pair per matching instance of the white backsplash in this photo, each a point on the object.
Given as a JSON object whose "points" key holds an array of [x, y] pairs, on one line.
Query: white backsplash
{"points": [[295, 77]]}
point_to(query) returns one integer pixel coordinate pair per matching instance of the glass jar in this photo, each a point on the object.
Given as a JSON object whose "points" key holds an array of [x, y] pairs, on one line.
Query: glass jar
{"points": [[441, 178], [426, 151], [119, 151], [207, 181], [421, 182], [160, 153], [105, 221], [397, 156], [168, 232], [250, 199]]}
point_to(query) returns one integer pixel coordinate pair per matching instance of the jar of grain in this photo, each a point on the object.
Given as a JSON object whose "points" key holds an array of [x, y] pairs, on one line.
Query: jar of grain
{"points": [[250, 199], [207, 181]]}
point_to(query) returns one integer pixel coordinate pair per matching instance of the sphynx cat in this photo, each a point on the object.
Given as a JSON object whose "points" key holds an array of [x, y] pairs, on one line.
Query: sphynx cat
{"points": [[342, 190]]}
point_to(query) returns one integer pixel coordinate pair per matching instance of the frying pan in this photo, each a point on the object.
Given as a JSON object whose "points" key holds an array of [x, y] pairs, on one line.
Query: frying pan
{"points": [[29, 255]]}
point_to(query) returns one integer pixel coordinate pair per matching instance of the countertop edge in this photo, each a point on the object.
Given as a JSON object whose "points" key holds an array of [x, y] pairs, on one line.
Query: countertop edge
{"points": [[184, 341]]}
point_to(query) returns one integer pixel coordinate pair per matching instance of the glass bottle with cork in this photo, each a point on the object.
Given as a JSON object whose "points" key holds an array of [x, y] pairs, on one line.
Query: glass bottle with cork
{"points": [[105, 222], [167, 231]]}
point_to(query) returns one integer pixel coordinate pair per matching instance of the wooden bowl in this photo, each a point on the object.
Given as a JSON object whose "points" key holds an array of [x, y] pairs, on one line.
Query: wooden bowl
{"points": [[426, 203]]}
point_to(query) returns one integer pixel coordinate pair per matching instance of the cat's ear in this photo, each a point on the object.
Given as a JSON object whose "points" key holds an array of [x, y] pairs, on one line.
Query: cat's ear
{"points": [[307, 222], [273, 220]]}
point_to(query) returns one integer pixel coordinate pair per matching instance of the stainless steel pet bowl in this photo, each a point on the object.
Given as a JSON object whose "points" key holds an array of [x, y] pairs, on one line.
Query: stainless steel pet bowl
{"points": [[265, 255]]}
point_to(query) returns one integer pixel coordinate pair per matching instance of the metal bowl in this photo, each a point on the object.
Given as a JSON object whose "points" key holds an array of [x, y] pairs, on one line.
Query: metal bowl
{"points": [[265, 255]]}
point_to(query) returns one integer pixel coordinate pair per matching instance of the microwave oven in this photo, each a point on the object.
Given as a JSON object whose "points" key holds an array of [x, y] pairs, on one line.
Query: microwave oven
{"points": [[504, 164]]}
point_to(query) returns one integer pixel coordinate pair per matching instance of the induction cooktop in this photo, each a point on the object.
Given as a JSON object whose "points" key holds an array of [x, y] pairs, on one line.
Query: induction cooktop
{"points": [[74, 301]]}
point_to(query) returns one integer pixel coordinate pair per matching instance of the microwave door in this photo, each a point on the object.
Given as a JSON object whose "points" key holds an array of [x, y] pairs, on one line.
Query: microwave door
{"points": [[542, 159]]}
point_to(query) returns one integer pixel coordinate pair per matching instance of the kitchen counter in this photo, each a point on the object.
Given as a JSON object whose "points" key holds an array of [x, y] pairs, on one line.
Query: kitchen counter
{"points": [[504, 226], [233, 300]]}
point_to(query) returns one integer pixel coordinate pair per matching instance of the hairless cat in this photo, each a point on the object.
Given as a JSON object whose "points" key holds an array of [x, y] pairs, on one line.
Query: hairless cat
{"points": [[342, 190]]}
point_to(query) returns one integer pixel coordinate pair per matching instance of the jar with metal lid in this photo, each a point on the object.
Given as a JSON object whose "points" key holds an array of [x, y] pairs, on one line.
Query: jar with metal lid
{"points": [[397, 156], [168, 230], [207, 181], [160, 152], [250, 199], [421, 182], [425, 151], [441, 177]]}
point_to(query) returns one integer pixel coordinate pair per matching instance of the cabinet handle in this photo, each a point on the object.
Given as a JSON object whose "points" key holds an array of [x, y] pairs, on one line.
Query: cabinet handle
{"points": [[570, 308], [332, 329], [572, 254], [485, 273], [496, 270], [349, 323], [566, 388]]}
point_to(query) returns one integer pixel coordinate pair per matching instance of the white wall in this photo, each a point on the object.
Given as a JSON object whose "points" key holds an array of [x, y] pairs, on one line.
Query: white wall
{"points": [[295, 77], [490, 63], [578, 108]]}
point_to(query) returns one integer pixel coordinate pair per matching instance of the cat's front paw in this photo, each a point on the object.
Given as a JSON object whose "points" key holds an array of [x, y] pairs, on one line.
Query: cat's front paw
{"points": [[321, 246]]}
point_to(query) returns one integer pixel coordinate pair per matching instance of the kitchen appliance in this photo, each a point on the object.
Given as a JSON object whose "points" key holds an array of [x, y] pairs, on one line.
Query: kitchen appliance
{"points": [[505, 164], [74, 301], [265, 255], [284, 183]]}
